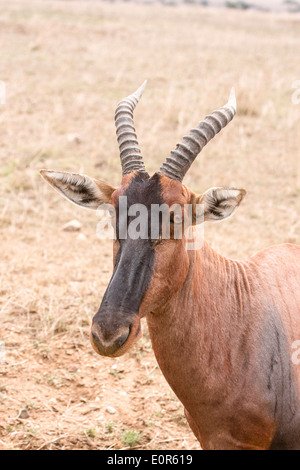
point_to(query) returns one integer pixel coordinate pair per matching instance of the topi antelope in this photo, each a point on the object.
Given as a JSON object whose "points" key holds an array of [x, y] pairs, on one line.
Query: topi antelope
{"points": [[222, 330]]}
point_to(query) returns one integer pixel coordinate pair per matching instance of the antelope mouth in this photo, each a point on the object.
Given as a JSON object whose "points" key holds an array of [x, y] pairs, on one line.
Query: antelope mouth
{"points": [[120, 345]]}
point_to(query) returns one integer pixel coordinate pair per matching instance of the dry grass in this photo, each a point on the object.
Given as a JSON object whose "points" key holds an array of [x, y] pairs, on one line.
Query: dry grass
{"points": [[66, 65]]}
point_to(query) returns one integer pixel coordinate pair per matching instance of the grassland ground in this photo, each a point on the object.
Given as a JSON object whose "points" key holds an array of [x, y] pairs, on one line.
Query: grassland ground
{"points": [[65, 66]]}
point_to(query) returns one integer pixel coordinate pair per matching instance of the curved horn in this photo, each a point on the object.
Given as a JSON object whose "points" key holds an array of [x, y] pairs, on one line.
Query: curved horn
{"points": [[130, 154], [176, 166]]}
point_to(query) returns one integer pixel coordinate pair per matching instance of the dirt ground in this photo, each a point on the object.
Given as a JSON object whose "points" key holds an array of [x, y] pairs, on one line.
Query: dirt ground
{"points": [[66, 65]]}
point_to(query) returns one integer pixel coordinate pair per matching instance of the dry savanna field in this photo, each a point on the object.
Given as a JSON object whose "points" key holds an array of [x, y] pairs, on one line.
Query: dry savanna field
{"points": [[66, 65]]}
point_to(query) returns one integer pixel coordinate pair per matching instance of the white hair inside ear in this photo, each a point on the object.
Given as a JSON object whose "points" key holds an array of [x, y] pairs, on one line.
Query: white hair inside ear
{"points": [[79, 189], [221, 203]]}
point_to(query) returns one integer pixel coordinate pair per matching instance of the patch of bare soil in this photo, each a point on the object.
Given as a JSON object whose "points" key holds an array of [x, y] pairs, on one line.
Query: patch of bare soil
{"points": [[60, 395], [55, 391]]}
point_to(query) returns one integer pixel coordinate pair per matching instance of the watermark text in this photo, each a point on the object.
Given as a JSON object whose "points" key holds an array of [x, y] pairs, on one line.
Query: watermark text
{"points": [[157, 222]]}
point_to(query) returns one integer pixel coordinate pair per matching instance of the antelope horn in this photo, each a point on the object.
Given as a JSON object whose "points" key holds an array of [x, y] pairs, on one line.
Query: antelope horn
{"points": [[180, 160], [130, 154]]}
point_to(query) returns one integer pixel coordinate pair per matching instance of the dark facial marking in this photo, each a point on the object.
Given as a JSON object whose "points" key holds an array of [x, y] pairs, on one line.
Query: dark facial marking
{"points": [[133, 263], [141, 190]]}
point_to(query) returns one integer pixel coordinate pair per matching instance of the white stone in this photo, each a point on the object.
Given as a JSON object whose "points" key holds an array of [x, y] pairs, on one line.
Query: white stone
{"points": [[111, 410], [72, 226]]}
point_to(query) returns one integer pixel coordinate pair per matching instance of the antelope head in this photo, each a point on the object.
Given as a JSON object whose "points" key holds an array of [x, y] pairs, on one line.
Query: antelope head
{"points": [[148, 269]]}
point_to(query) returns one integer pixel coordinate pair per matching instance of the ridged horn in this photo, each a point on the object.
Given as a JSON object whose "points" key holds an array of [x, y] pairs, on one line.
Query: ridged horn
{"points": [[180, 160], [130, 154]]}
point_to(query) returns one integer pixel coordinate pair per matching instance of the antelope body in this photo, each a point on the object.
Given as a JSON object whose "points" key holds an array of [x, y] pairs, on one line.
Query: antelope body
{"points": [[222, 330]]}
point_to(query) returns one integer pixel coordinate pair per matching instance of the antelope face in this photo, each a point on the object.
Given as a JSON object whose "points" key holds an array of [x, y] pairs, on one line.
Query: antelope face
{"points": [[140, 283], [116, 325], [151, 260]]}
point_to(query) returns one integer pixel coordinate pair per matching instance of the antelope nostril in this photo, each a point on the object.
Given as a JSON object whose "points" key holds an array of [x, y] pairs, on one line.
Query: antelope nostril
{"points": [[113, 342], [123, 338], [95, 337]]}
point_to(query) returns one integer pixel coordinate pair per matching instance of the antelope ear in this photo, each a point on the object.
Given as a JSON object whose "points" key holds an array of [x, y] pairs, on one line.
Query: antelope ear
{"points": [[79, 189], [220, 203]]}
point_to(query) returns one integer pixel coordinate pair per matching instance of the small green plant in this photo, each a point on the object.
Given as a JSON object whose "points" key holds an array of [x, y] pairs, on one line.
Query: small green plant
{"points": [[131, 438], [54, 380], [116, 373], [109, 427], [149, 424], [91, 432]]}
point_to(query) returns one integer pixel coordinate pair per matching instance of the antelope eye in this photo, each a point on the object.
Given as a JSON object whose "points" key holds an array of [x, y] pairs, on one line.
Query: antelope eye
{"points": [[177, 219]]}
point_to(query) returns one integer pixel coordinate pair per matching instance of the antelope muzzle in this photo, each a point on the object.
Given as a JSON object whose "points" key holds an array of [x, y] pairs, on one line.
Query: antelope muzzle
{"points": [[109, 338]]}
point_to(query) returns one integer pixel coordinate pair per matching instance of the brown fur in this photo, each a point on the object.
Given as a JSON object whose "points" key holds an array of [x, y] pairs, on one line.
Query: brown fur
{"points": [[207, 316], [207, 340], [211, 320]]}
